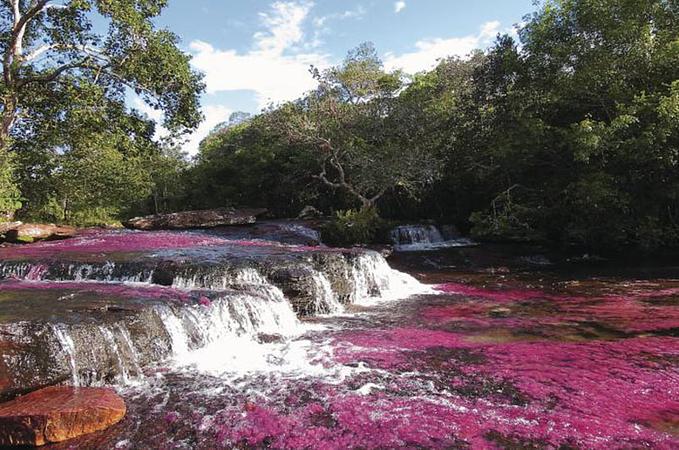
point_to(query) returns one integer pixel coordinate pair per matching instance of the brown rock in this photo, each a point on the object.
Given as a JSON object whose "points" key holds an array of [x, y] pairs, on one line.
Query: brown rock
{"points": [[196, 219], [29, 232], [309, 212], [500, 312], [58, 413], [8, 226]]}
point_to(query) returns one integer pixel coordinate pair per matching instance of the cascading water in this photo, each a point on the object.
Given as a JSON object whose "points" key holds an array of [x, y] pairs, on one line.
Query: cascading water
{"points": [[112, 345], [424, 237], [374, 280], [234, 311], [74, 271], [326, 300], [302, 230], [68, 349]]}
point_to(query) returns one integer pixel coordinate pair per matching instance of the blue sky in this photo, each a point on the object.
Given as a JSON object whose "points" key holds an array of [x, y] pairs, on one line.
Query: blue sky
{"points": [[258, 51]]}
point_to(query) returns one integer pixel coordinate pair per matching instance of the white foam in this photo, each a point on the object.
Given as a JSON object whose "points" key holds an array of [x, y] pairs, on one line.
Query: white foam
{"points": [[417, 238]]}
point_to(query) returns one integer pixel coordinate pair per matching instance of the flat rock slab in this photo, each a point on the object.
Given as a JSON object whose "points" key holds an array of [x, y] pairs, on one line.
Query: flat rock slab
{"points": [[30, 232], [8, 226], [209, 218], [56, 414]]}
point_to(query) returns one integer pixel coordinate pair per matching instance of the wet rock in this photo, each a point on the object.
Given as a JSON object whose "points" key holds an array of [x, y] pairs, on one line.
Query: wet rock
{"points": [[56, 414], [309, 212], [536, 260], [450, 232], [83, 333], [8, 226], [500, 312], [337, 268], [31, 232], [297, 284], [196, 219]]}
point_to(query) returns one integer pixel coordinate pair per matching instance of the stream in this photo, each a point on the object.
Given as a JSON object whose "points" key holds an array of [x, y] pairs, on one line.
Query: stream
{"points": [[261, 337]]}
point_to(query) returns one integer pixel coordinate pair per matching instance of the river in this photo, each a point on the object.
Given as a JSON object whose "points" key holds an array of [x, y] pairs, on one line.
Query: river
{"points": [[260, 338]]}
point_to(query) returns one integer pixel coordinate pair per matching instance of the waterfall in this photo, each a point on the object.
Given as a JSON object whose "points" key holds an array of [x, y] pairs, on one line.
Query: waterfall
{"points": [[233, 334], [179, 340], [73, 271], [112, 345], [301, 230], [424, 237], [231, 323], [68, 349], [326, 299], [374, 280], [221, 309]]}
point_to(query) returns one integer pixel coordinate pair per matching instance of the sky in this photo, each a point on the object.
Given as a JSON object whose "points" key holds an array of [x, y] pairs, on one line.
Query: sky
{"points": [[255, 52]]}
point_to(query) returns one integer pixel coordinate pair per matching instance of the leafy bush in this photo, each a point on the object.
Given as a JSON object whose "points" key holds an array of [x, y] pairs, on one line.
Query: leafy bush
{"points": [[353, 227], [10, 199]]}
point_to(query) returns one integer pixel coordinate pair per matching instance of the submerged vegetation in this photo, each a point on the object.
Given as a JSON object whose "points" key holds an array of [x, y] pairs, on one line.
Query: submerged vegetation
{"points": [[568, 133]]}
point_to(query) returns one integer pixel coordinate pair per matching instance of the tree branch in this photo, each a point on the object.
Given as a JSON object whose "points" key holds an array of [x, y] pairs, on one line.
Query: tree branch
{"points": [[57, 72]]}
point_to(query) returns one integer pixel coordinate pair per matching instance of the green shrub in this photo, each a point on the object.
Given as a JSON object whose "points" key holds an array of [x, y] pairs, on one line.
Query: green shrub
{"points": [[10, 198], [353, 227]]}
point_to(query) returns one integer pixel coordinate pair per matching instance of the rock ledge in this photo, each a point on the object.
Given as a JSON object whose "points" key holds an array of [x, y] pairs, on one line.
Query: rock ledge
{"points": [[58, 413], [208, 218]]}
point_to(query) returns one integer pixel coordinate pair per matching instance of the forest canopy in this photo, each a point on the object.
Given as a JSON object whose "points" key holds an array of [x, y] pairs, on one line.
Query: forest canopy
{"points": [[70, 147], [567, 132]]}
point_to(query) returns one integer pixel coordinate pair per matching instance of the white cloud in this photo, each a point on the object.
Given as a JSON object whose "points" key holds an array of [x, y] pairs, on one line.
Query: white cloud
{"points": [[399, 6], [429, 51], [276, 69], [357, 13], [322, 27], [153, 114], [283, 25], [273, 78]]}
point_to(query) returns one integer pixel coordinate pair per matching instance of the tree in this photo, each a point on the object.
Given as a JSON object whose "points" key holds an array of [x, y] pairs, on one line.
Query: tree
{"points": [[250, 165], [582, 132], [345, 125], [56, 54]]}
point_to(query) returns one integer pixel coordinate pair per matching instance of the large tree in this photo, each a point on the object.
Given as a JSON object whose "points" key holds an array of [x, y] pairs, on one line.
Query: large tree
{"points": [[582, 121], [73, 65], [347, 126]]}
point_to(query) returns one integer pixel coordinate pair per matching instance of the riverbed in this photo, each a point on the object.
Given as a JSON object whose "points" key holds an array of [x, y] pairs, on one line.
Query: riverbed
{"points": [[490, 347]]}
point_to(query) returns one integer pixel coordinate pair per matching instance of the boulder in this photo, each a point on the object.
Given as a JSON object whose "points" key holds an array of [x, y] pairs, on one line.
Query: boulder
{"points": [[8, 226], [30, 232], [309, 212], [196, 219], [58, 413]]}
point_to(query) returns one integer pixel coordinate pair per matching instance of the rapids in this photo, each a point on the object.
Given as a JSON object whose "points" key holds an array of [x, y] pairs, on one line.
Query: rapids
{"points": [[260, 337], [417, 238]]}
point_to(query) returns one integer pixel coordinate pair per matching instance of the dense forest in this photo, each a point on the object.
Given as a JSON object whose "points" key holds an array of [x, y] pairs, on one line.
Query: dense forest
{"points": [[567, 132]]}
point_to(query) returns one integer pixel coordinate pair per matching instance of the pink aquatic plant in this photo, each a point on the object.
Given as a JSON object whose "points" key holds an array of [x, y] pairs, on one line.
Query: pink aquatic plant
{"points": [[497, 295], [172, 417], [114, 290], [101, 242]]}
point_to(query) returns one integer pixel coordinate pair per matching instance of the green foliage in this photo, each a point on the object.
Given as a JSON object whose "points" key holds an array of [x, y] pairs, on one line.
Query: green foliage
{"points": [[353, 227], [582, 119], [80, 154], [10, 198], [349, 128], [248, 165], [571, 136]]}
